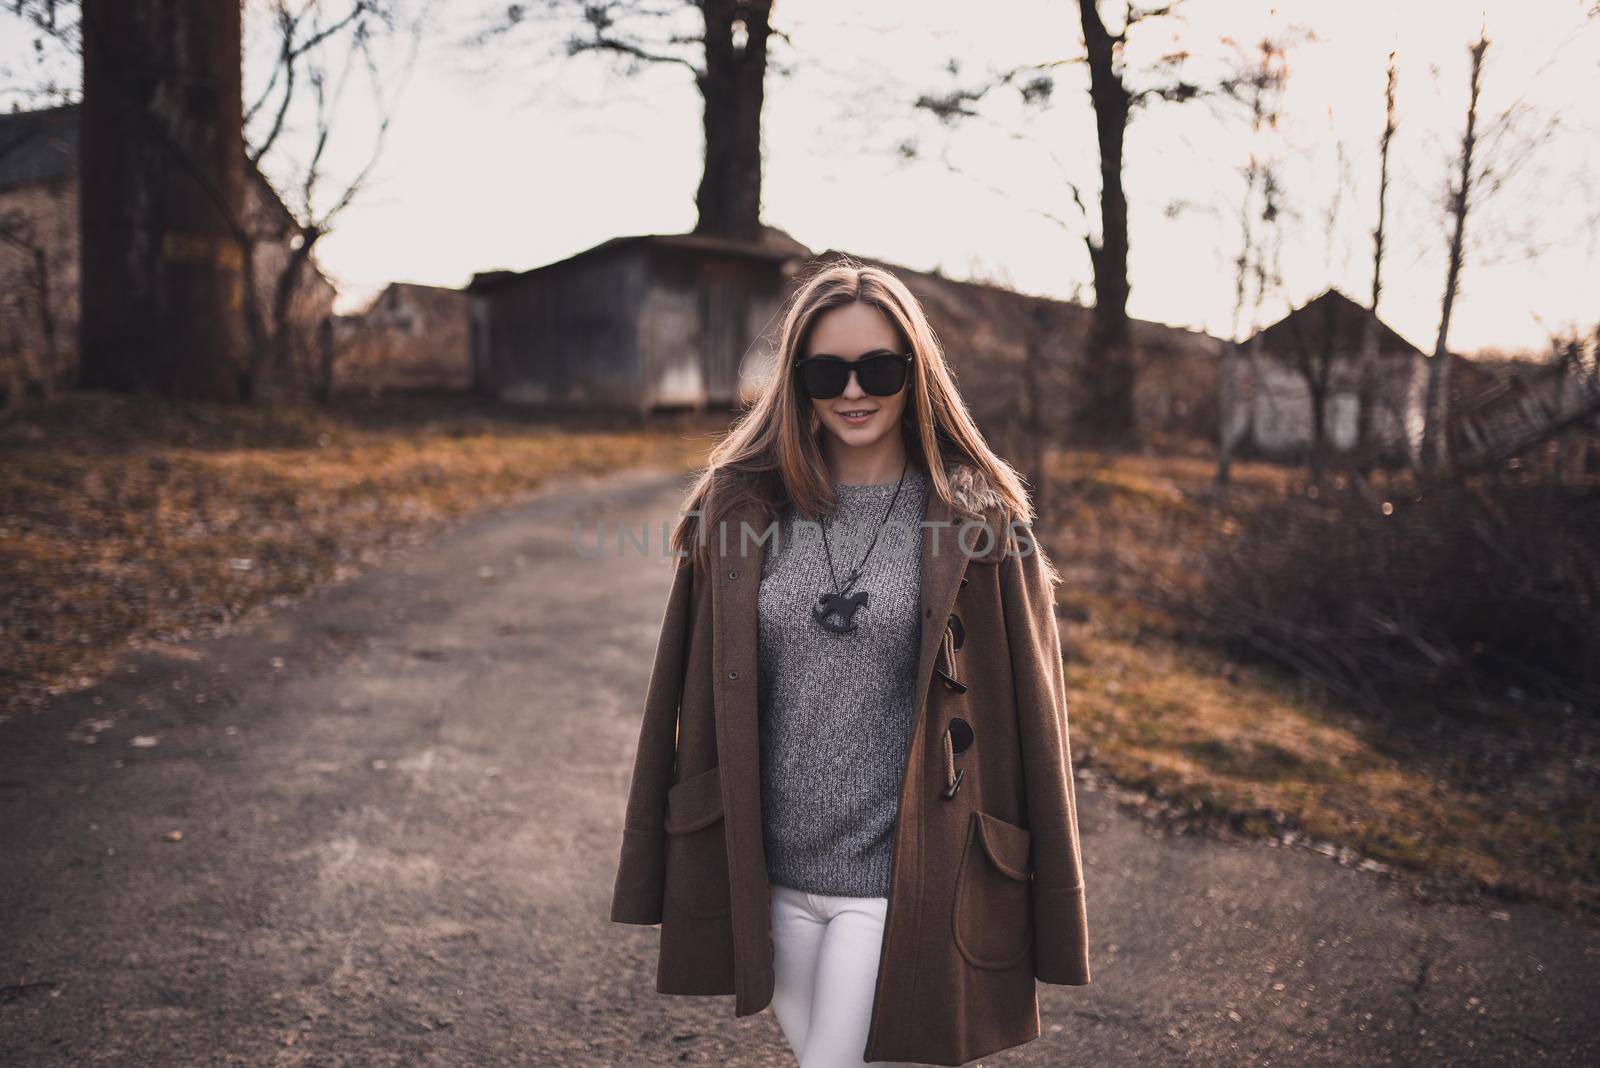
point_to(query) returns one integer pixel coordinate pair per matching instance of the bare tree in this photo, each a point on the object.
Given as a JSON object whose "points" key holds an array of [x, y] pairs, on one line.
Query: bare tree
{"points": [[733, 86], [319, 50], [1369, 340], [1260, 86], [1108, 415], [1316, 339], [1435, 432], [1104, 413], [727, 58]]}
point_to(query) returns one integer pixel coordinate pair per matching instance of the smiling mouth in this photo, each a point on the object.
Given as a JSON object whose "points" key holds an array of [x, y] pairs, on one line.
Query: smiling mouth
{"points": [[858, 412]]}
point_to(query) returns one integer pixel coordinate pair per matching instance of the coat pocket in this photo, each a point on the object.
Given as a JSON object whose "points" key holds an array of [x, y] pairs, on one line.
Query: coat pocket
{"points": [[697, 852], [992, 917]]}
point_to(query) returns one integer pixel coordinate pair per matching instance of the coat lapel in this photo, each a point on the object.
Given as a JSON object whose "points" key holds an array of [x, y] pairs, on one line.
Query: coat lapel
{"points": [[735, 587]]}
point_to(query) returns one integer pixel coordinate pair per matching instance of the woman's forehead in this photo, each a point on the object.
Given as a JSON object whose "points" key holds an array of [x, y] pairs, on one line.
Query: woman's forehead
{"points": [[851, 330]]}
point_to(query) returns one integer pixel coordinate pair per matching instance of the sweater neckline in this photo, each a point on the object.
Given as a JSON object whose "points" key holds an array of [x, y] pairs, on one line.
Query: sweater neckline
{"points": [[865, 489]]}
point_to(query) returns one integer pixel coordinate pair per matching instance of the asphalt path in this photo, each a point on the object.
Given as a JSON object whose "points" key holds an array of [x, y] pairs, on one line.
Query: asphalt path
{"points": [[379, 826]]}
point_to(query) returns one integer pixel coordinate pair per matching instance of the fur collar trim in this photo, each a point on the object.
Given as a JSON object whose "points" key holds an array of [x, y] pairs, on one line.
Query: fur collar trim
{"points": [[976, 498], [971, 489]]}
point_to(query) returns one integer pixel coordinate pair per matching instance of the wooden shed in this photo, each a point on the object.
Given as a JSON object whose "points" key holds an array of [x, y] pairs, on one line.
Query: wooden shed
{"points": [[1316, 350], [635, 323]]}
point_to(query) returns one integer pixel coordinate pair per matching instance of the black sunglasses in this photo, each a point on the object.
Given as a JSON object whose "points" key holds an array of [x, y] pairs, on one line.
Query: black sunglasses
{"points": [[881, 374]]}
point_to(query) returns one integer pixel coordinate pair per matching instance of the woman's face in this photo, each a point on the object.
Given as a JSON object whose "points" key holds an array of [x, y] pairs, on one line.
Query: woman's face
{"points": [[850, 332]]}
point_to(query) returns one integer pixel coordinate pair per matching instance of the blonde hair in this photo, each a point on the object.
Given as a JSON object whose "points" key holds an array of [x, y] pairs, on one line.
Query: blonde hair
{"points": [[772, 454]]}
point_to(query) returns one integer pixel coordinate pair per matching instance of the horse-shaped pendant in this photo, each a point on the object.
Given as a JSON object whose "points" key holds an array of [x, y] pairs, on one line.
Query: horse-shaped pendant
{"points": [[844, 605]]}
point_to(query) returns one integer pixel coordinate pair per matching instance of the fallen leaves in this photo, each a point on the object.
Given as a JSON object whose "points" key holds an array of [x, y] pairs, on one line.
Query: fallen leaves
{"points": [[131, 519]]}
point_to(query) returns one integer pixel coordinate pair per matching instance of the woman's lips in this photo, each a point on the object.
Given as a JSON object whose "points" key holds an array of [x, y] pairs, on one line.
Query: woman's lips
{"points": [[858, 420]]}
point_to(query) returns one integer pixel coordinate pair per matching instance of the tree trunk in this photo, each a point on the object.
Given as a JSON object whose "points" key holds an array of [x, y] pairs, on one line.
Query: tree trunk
{"points": [[257, 334], [325, 360], [1369, 342], [1107, 415], [1436, 425], [733, 87], [161, 174], [1319, 433], [49, 375], [1036, 451], [286, 376]]}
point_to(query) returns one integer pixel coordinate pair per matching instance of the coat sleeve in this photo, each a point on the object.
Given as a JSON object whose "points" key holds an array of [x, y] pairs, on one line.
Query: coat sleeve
{"points": [[1061, 943], [636, 897]]}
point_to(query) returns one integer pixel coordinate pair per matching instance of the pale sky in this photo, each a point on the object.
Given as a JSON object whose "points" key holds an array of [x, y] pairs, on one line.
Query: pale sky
{"points": [[518, 156]]}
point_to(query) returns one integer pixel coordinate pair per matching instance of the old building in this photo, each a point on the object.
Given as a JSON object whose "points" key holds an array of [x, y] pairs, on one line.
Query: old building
{"points": [[1315, 351], [1506, 408], [39, 253], [411, 337], [633, 324]]}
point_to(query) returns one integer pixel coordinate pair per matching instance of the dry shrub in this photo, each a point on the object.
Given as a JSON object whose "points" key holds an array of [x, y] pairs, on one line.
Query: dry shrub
{"points": [[1464, 592]]}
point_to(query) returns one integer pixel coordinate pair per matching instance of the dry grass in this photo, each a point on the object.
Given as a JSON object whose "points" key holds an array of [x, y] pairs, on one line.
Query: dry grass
{"points": [[129, 520], [1503, 803]]}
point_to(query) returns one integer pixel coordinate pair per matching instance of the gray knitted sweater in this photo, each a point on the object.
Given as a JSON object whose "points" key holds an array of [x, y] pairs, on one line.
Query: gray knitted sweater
{"points": [[835, 710]]}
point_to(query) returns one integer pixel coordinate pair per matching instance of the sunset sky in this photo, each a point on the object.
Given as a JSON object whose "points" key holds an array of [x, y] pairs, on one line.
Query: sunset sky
{"points": [[514, 155]]}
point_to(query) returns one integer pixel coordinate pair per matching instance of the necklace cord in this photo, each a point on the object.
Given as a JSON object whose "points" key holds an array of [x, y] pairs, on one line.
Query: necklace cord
{"points": [[855, 572]]}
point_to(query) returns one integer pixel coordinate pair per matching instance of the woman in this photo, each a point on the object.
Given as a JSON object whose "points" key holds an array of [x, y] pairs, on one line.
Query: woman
{"points": [[852, 798]]}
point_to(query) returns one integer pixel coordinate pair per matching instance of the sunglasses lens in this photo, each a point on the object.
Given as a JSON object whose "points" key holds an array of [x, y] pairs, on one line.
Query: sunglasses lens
{"points": [[881, 376], [823, 378]]}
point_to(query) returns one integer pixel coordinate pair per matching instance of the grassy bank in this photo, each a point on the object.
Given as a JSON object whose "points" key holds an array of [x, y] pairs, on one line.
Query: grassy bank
{"points": [[1502, 802]]}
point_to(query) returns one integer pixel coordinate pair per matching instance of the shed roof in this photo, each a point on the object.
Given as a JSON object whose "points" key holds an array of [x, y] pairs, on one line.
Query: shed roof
{"points": [[37, 146], [1333, 323], [773, 245]]}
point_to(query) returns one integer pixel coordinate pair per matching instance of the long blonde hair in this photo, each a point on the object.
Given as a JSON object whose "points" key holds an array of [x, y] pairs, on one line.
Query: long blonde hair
{"points": [[772, 455]]}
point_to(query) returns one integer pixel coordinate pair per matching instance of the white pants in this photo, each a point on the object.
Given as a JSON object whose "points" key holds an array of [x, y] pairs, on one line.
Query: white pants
{"points": [[826, 973]]}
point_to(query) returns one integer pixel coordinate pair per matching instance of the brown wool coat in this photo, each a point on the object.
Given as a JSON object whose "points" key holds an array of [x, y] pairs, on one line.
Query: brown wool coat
{"points": [[986, 887]]}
